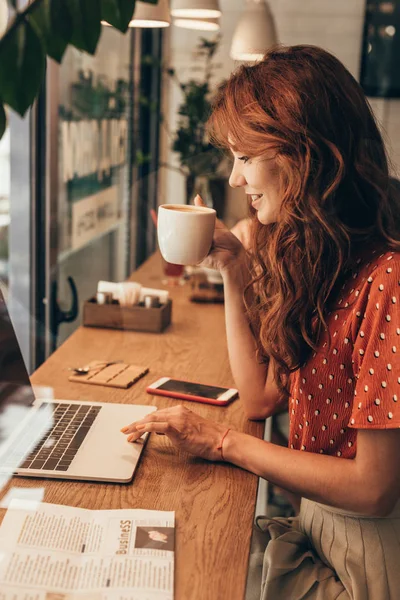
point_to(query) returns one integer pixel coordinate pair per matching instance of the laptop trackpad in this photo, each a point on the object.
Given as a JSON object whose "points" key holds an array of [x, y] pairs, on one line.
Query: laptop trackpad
{"points": [[105, 453]]}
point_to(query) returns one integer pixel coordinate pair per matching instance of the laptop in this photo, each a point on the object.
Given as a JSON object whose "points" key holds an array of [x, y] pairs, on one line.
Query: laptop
{"points": [[60, 439]]}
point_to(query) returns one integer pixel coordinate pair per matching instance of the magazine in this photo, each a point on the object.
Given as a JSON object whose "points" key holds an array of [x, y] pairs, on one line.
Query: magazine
{"points": [[54, 552]]}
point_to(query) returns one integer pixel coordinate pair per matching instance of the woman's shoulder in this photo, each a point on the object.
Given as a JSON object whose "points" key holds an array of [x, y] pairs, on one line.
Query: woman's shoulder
{"points": [[375, 294], [387, 257], [379, 264], [382, 273], [373, 281]]}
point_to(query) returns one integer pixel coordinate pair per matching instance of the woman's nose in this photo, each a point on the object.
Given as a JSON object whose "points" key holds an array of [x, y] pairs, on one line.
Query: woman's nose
{"points": [[236, 179]]}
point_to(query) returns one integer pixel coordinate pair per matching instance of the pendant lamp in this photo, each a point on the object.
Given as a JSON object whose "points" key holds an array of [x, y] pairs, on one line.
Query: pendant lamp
{"points": [[254, 33], [198, 24], [193, 9], [150, 15]]}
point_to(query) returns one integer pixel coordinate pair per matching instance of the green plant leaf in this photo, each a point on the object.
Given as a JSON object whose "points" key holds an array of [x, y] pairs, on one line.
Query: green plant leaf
{"points": [[52, 20], [141, 158], [86, 17], [118, 13], [3, 120], [23, 62]]}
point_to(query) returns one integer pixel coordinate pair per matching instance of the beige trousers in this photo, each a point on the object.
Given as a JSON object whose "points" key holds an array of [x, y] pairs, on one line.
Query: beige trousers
{"points": [[326, 554]]}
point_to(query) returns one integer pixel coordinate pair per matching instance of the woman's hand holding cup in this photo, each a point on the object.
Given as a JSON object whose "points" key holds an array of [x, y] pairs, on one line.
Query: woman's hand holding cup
{"points": [[226, 252], [191, 235], [185, 233]]}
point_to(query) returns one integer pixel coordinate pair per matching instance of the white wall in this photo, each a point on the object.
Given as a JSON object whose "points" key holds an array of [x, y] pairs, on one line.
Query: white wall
{"points": [[4, 169], [334, 25]]}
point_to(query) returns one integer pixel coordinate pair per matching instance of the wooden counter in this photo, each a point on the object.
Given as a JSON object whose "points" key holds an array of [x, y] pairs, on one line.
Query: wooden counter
{"points": [[214, 502]]}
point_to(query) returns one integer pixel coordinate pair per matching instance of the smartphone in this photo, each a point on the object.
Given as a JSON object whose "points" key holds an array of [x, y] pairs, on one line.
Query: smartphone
{"points": [[186, 390]]}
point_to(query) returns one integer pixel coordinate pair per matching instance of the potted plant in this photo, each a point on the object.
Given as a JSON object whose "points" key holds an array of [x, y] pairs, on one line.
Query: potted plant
{"points": [[45, 28], [200, 161]]}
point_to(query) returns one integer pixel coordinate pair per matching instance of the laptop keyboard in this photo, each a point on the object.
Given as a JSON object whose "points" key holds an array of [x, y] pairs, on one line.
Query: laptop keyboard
{"points": [[61, 429]]}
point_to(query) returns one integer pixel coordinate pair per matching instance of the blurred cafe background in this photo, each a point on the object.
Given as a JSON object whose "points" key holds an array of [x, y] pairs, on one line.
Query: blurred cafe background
{"points": [[114, 135]]}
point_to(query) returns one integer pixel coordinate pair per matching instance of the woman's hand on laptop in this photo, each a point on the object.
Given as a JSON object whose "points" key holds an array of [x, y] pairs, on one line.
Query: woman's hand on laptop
{"points": [[185, 429]]}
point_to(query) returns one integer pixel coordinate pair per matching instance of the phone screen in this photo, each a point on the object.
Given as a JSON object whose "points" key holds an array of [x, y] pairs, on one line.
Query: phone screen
{"points": [[192, 389]]}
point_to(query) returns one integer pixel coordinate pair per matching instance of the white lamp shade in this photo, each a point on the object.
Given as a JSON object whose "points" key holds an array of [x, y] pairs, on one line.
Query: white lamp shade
{"points": [[198, 24], [3, 16], [254, 33], [193, 9], [151, 15]]}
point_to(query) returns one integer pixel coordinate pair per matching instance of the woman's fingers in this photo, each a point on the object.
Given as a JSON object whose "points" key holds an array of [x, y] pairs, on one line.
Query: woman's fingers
{"points": [[158, 416], [220, 225], [186, 429], [159, 427], [133, 437], [198, 201], [154, 416], [132, 427]]}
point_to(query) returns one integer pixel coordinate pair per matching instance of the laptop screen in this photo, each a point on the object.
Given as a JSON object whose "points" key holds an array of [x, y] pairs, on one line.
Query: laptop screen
{"points": [[16, 393]]}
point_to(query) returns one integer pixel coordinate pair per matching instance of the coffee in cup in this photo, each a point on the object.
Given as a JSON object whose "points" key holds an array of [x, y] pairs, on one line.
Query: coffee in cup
{"points": [[185, 233]]}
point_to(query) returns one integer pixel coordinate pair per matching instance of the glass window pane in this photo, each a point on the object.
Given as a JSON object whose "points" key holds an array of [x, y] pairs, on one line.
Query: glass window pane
{"points": [[4, 203], [93, 199]]}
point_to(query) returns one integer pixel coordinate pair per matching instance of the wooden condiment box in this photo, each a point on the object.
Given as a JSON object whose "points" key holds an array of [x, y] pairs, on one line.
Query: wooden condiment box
{"points": [[133, 318]]}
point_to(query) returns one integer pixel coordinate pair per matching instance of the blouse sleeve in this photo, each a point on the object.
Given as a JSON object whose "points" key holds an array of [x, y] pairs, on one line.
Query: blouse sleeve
{"points": [[376, 353]]}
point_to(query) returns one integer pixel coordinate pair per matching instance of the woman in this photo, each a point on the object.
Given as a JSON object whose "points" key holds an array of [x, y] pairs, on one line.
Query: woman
{"points": [[324, 330]]}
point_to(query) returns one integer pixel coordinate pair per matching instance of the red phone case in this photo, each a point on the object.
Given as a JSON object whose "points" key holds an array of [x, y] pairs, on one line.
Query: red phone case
{"points": [[180, 396]]}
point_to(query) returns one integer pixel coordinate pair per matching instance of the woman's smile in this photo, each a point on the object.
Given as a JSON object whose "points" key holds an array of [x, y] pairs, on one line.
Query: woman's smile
{"points": [[258, 173], [255, 198]]}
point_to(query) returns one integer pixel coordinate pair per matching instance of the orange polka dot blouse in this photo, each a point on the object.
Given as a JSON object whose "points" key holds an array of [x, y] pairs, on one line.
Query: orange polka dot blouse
{"points": [[355, 382]]}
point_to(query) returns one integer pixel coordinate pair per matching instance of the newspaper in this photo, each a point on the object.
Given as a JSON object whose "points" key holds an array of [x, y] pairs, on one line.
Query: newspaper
{"points": [[53, 552]]}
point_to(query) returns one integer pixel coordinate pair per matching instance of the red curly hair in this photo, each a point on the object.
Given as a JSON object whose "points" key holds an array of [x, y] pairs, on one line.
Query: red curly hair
{"points": [[335, 189]]}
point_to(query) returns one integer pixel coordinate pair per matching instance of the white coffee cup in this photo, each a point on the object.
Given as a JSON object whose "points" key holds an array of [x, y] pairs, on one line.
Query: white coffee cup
{"points": [[185, 233]]}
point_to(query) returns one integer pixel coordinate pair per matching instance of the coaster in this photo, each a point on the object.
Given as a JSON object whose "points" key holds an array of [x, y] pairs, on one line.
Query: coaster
{"points": [[120, 375]]}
